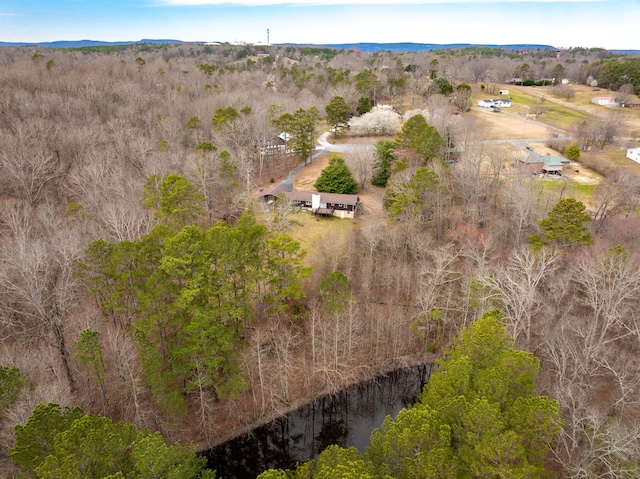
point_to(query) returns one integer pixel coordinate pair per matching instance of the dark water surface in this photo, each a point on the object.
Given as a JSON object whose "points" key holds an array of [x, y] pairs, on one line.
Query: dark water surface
{"points": [[346, 418]]}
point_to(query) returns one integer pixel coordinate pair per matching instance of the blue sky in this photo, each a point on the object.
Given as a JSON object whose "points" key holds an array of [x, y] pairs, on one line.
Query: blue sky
{"points": [[574, 23]]}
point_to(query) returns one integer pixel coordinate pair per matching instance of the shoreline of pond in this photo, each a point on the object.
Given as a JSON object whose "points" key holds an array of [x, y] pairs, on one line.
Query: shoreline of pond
{"points": [[346, 417], [426, 358]]}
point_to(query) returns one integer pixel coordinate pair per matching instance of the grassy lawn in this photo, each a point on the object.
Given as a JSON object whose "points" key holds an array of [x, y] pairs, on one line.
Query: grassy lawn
{"points": [[609, 160], [561, 117], [554, 189], [317, 232], [522, 98], [555, 114]]}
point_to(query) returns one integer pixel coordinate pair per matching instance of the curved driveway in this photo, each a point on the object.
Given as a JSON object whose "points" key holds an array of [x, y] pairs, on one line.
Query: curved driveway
{"points": [[323, 147]]}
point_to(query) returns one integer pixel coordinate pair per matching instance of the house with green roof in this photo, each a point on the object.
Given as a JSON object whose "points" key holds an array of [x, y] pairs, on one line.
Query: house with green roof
{"points": [[542, 163]]}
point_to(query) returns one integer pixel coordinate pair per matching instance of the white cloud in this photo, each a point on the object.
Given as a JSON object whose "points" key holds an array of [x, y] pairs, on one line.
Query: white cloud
{"points": [[256, 3]]}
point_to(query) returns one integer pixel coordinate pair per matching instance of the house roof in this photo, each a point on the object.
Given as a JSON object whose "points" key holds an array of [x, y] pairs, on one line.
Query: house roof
{"points": [[549, 160], [332, 198], [299, 195], [273, 190], [284, 136], [553, 161], [531, 159]]}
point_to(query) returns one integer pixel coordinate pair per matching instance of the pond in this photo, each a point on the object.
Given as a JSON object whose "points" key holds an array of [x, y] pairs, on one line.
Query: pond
{"points": [[346, 418]]}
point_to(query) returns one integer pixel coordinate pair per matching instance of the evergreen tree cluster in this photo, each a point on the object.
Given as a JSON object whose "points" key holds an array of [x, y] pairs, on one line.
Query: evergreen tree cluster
{"points": [[187, 294], [59, 442], [614, 73]]}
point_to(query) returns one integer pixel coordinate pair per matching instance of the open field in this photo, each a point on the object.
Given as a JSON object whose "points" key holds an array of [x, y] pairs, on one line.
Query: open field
{"points": [[559, 117], [563, 114], [579, 180]]}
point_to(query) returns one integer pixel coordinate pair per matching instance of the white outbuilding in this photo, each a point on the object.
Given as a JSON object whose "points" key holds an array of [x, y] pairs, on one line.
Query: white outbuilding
{"points": [[634, 154]]}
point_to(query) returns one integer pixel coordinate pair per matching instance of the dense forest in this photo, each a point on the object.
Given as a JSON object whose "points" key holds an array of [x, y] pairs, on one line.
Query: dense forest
{"points": [[148, 297]]}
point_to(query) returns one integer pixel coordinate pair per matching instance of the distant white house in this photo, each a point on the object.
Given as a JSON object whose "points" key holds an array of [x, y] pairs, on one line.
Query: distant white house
{"points": [[634, 154], [502, 103], [604, 100], [498, 103], [487, 103], [504, 92]]}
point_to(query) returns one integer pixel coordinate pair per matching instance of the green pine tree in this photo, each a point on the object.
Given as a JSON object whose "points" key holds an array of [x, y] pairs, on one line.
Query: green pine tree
{"points": [[336, 178]]}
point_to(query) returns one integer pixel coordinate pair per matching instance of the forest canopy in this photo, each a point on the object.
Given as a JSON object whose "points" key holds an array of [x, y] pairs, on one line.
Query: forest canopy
{"points": [[144, 280]]}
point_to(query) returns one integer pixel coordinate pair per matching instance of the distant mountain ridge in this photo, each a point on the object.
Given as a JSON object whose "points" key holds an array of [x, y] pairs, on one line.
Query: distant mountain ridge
{"points": [[364, 46], [82, 43], [418, 47]]}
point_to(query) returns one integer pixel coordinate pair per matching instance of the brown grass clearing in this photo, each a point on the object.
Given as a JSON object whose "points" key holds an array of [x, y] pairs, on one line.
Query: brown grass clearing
{"points": [[508, 126], [582, 102]]}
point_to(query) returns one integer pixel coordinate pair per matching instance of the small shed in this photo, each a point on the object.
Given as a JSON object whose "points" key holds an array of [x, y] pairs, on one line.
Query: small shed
{"points": [[634, 154], [504, 92]]}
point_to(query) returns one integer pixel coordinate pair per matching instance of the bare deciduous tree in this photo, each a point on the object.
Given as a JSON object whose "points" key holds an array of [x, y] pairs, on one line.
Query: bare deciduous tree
{"points": [[360, 162], [279, 216], [607, 129], [522, 196], [29, 171], [39, 291], [565, 91], [625, 93], [437, 293], [519, 286]]}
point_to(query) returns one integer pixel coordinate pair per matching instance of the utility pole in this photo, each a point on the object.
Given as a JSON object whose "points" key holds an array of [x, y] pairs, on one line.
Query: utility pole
{"points": [[268, 44]]}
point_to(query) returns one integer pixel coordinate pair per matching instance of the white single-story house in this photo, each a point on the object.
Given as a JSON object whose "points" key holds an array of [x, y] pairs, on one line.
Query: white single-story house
{"points": [[326, 204], [502, 103], [486, 103], [497, 103], [604, 100], [634, 154]]}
